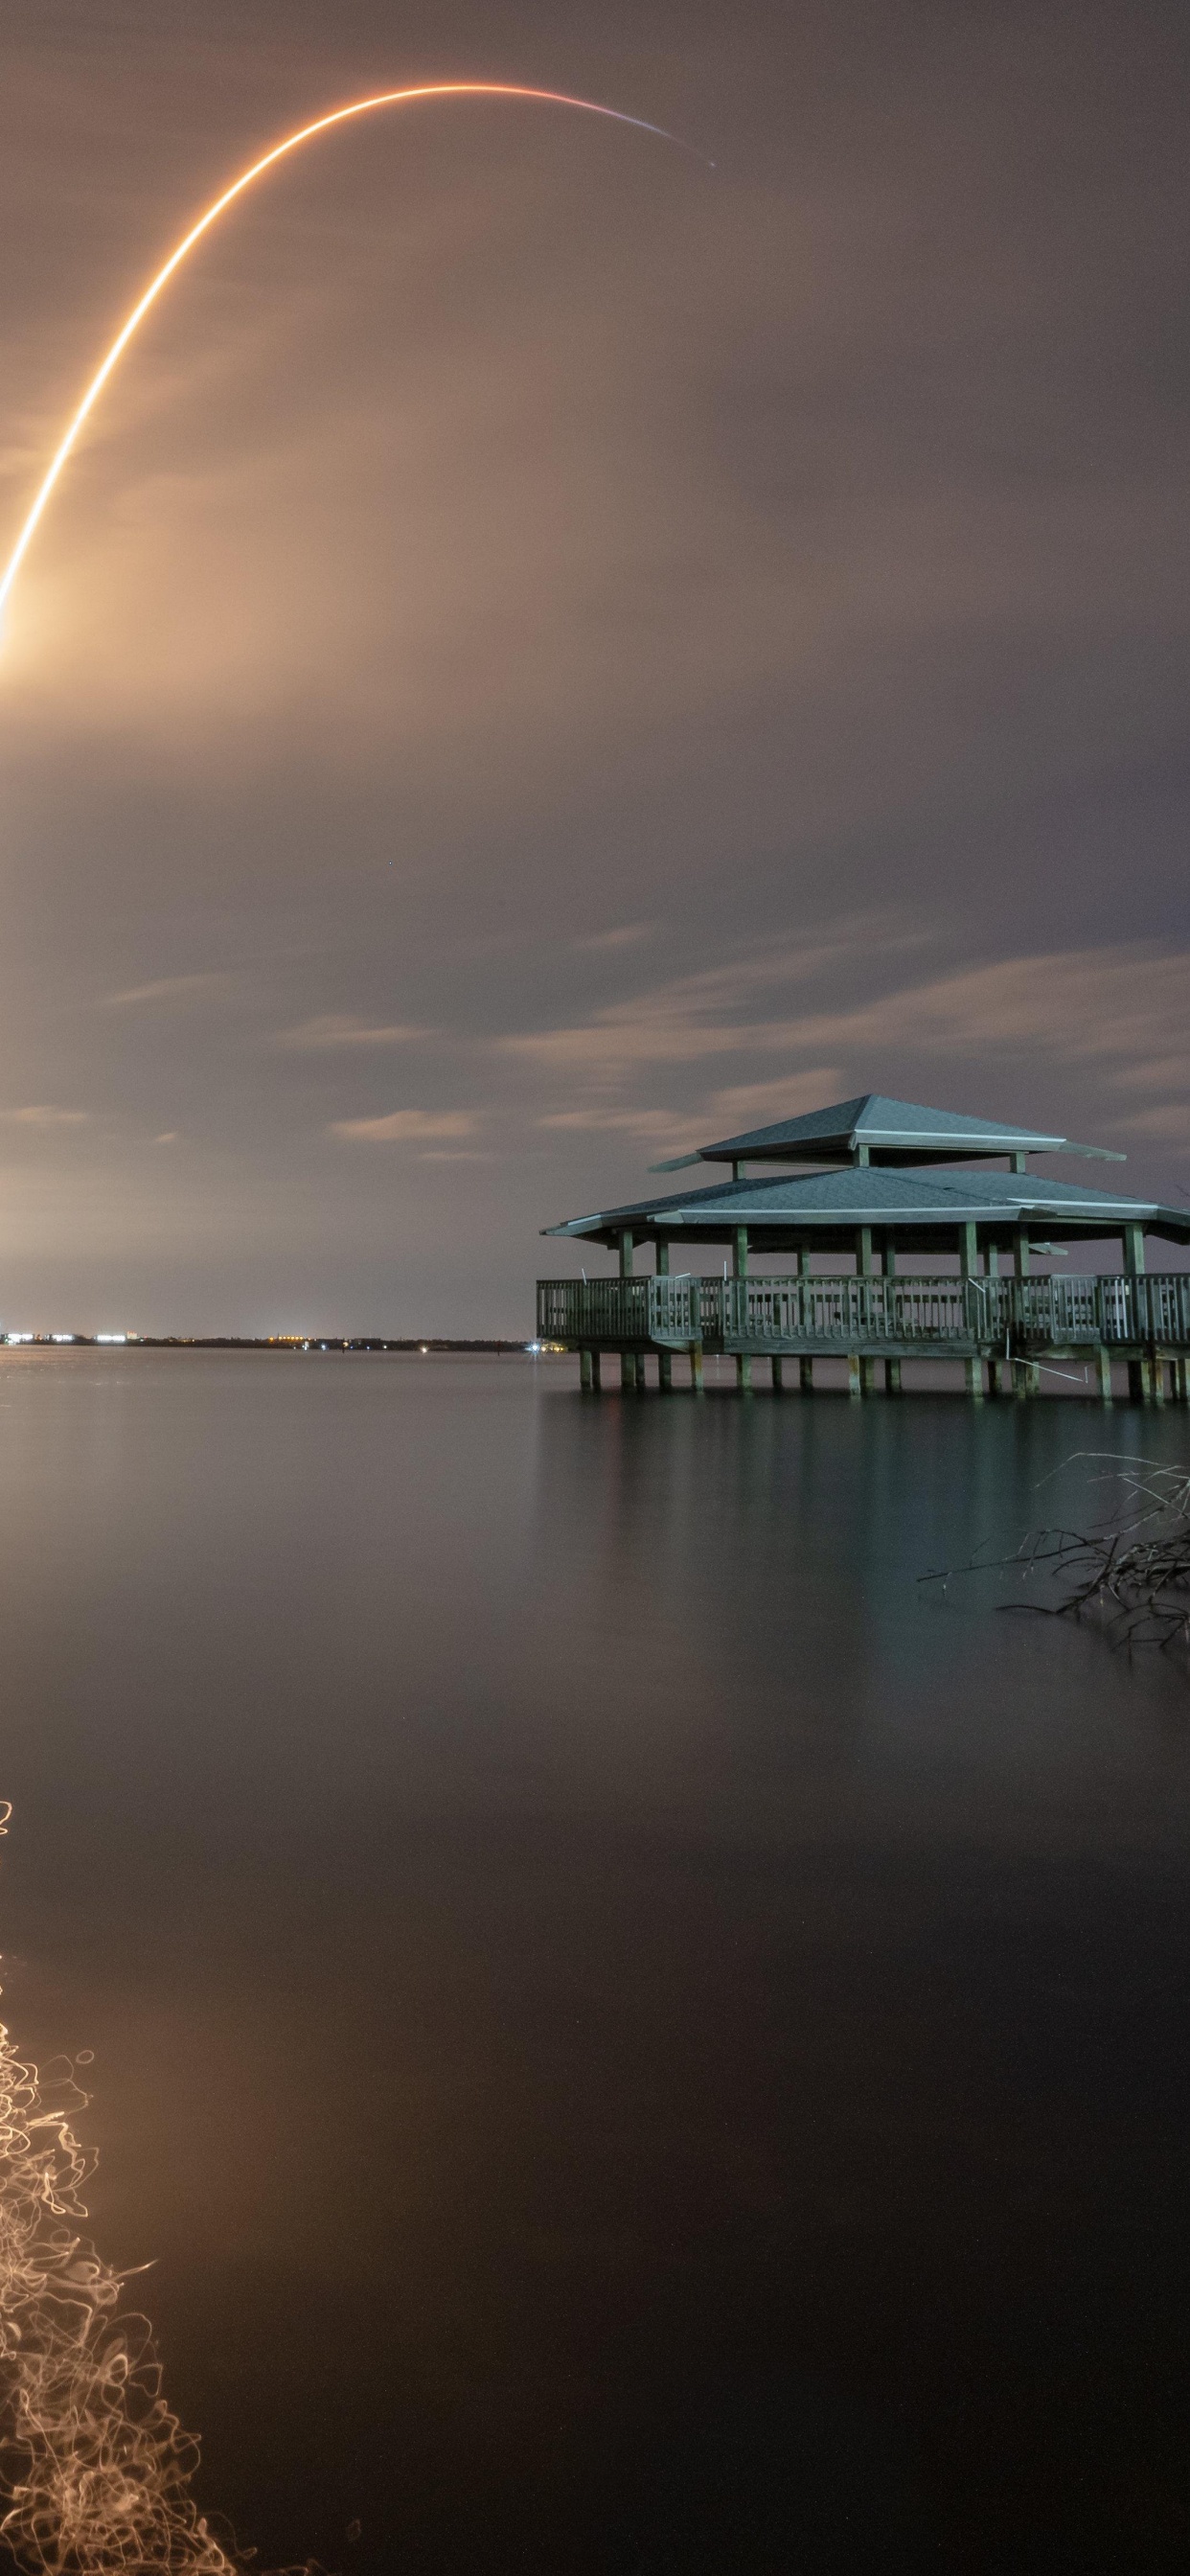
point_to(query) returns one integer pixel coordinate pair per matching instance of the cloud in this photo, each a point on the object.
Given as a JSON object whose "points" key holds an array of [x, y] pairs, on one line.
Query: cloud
{"points": [[629, 936], [1078, 1005], [631, 1122], [342, 1029], [45, 1117], [405, 1126], [1170, 1121], [680, 1022], [756, 1104], [175, 988]]}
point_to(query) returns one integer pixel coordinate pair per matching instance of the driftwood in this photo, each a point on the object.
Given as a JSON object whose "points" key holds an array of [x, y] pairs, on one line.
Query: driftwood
{"points": [[1130, 1568]]}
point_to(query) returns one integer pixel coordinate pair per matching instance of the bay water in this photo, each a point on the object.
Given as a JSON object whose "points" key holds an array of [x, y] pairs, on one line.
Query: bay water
{"points": [[633, 2034]]}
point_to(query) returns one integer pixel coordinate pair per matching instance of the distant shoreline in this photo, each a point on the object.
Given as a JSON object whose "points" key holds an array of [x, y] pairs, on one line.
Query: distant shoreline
{"points": [[425, 1346]]}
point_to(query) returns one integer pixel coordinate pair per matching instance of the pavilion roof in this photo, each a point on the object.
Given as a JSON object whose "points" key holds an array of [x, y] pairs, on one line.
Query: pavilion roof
{"points": [[893, 1131], [916, 1204]]}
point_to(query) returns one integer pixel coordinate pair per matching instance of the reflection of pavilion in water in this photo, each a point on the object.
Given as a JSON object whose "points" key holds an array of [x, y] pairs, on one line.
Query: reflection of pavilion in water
{"points": [[889, 1183]]}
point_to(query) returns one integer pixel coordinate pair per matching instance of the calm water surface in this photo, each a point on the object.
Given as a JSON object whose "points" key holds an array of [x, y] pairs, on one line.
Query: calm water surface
{"points": [[633, 2039]]}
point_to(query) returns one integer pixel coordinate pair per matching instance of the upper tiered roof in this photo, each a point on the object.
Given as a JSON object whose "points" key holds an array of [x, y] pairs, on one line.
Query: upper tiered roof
{"points": [[873, 1129]]}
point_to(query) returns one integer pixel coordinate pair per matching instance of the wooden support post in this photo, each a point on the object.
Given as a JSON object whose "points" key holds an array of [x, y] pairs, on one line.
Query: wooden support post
{"points": [[854, 1380], [778, 1377], [1140, 1371], [627, 1265], [991, 1268], [584, 1371], [805, 1367], [863, 1269], [892, 1368], [1181, 1381], [696, 1367], [596, 1371], [968, 1269], [1022, 1375], [739, 1267], [664, 1358], [1158, 1367], [1103, 1358]]}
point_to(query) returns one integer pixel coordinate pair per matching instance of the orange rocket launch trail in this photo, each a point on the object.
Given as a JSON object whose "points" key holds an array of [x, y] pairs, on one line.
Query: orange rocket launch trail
{"points": [[190, 240]]}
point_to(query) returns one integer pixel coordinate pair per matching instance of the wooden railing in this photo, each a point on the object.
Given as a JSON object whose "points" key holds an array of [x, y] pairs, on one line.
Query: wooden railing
{"points": [[860, 1314]]}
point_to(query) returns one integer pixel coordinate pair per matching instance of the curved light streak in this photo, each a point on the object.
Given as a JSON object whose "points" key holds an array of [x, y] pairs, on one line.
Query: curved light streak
{"points": [[291, 142]]}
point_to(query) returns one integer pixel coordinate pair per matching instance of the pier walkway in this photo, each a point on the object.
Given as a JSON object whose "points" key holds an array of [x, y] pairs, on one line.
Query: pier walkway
{"points": [[1003, 1330]]}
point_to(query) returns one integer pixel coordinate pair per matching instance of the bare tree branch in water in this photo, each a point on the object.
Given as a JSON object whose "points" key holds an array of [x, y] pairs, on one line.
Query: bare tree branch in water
{"points": [[95, 2468], [1130, 1569]]}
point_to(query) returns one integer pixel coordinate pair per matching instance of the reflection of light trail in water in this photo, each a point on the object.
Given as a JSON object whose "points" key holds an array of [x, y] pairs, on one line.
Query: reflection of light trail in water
{"points": [[94, 2467], [304, 134]]}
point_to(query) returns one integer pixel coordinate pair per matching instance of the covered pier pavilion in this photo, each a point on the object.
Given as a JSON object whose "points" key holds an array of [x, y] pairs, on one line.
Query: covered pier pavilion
{"points": [[892, 1187]]}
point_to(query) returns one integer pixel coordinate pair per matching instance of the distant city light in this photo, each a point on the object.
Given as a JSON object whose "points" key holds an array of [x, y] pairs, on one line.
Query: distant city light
{"points": [[111, 1337]]}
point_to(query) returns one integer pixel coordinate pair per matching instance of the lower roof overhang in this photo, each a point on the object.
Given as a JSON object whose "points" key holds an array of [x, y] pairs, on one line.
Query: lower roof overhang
{"points": [[912, 1233]]}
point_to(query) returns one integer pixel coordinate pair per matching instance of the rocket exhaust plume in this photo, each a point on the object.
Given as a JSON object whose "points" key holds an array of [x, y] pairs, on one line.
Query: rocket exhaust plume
{"points": [[290, 143]]}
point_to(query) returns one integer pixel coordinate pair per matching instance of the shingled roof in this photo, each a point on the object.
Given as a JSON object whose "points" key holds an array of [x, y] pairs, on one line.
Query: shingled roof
{"points": [[921, 1207], [881, 1131]]}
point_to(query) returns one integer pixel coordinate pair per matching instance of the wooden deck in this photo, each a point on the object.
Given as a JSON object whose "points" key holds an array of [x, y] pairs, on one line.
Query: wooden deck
{"points": [[1004, 1324]]}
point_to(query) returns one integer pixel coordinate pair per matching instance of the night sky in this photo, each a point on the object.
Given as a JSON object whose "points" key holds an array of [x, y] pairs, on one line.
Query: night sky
{"points": [[551, 652]]}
